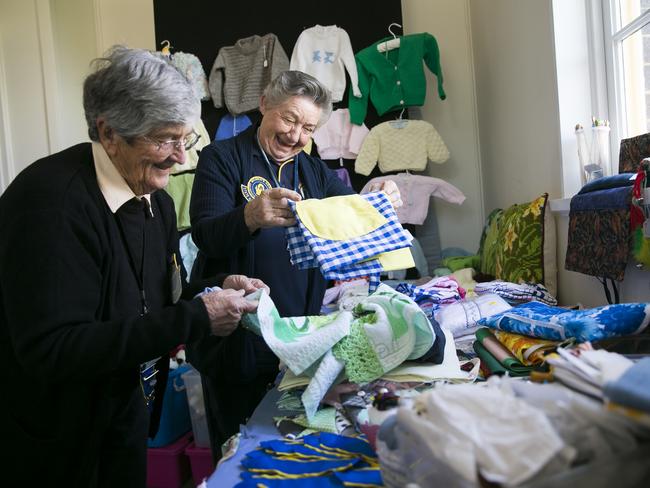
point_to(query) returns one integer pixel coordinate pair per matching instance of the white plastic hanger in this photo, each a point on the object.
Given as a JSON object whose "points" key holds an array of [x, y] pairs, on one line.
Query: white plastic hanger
{"points": [[399, 123], [392, 43]]}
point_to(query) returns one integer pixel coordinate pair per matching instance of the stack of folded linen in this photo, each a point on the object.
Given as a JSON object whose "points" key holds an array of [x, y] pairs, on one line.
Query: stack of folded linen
{"points": [[349, 237]]}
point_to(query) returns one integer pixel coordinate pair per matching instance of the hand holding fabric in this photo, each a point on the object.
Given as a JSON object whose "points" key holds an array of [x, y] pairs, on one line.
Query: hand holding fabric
{"points": [[225, 309], [270, 209], [389, 187], [242, 282]]}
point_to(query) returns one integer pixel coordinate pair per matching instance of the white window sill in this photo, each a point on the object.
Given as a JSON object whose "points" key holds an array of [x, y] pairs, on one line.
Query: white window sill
{"points": [[560, 206]]}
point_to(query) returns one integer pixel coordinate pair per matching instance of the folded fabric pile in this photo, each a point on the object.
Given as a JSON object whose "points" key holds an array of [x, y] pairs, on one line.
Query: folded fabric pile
{"points": [[516, 293], [497, 358], [349, 237], [384, 330], [528, 350], [536, 319], [461, 318], [608, 376], [431, 294], [453, 433], [318, 460]]}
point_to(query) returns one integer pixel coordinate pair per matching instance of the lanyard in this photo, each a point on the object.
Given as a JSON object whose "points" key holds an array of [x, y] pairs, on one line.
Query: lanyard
{"points": [[270, 167], [139, 276]]}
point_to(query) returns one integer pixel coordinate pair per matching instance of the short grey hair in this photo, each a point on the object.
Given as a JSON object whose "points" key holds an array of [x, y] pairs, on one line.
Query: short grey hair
{"points": [[138, 92], [290, 84]]}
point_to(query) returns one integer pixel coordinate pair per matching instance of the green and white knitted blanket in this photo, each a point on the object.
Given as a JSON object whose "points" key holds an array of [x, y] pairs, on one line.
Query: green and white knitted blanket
{"points": [[380, 333]]}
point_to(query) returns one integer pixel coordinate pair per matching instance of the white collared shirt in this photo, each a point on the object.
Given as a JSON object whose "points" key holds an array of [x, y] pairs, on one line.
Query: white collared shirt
{"points": [[112, 184]]}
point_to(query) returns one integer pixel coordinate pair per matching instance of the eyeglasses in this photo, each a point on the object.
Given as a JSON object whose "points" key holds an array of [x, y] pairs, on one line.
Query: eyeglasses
{"points": [[175, 144], [290, 124]]}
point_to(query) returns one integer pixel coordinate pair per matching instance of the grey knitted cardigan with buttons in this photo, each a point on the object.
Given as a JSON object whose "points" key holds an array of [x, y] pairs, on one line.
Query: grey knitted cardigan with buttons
{"points": [[241, 72]]}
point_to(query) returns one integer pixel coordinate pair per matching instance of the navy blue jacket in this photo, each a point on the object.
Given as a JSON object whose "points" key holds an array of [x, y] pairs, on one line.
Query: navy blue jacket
{"points": [[225, 244], [239, 366]]}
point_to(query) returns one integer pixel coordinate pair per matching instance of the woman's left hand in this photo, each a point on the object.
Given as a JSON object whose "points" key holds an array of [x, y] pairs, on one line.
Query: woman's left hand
{"points": [[389, 187], [242, 282]]}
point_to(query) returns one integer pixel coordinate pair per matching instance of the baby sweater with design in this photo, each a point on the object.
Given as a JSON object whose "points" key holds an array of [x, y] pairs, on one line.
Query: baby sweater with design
{"points": [[323, 52], [399, 145]]}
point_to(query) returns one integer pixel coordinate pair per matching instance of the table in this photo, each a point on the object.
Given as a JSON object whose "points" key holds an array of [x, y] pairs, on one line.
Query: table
{"points": [[260, 427]]}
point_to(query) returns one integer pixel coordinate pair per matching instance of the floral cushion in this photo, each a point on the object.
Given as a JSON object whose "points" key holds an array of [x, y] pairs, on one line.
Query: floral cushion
{"points": [[525, 245], [489, 241], [536, 319]]}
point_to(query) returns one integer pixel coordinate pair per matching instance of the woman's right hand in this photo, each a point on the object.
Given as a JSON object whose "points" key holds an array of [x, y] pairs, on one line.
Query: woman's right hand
{"points": [[225, 309], [270, 209]]}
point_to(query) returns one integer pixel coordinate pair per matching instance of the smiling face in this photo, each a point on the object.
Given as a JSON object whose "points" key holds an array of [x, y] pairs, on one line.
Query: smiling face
{"points": [[286, 128], [143, 163]]}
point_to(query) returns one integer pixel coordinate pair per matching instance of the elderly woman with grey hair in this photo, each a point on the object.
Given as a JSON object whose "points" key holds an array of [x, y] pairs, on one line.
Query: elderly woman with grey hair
{"points": [[92, 286], [239, 211]]}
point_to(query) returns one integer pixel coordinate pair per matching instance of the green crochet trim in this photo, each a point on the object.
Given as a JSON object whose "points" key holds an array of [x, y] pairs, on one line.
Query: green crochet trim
{"points": [[361, 362], [324, 420]]}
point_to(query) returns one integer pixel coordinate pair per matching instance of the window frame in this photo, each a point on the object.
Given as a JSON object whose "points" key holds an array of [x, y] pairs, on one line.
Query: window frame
{"points": [[610, 77]]}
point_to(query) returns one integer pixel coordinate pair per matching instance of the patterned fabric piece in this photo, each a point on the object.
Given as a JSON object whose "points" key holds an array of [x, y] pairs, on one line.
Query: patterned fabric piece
{"points": [[489, 243], [599, 239], [519, 249], [352, 258], [438, 290], [384, 330], [317, 460], [513, 292], [461, 318], [632, 151], [536, 319], [528, 350]]}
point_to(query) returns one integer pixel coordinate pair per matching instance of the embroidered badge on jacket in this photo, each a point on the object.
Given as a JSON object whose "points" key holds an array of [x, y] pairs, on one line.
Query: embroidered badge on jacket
{"points": [[255, 186]]}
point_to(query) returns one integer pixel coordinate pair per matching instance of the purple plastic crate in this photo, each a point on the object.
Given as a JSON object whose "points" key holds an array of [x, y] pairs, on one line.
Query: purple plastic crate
{"points": [[201, 462], [168, 467]]}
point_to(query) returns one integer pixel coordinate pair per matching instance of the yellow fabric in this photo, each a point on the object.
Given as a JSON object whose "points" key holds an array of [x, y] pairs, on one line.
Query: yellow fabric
{"points": [[339, 218], [307, 148], [397, 259]]}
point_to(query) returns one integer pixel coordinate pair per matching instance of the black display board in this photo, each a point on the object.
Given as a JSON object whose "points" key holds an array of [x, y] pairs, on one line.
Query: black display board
{"points": [[202, 27]]}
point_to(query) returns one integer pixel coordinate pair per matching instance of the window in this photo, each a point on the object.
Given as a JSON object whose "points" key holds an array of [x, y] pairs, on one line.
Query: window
{"points": [[627, 50]]}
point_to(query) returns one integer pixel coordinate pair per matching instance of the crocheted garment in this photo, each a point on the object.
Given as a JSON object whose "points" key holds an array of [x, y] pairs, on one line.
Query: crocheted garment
{"points": [[383, 331]]}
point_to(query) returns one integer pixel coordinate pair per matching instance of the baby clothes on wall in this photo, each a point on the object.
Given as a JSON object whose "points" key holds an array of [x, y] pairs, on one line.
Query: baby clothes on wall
{"points": [[191, 67], [415, 191], [192, 155], [401, 145], [338, 138], [241, 72], [323, 52], [394, 79], [231, 125]]}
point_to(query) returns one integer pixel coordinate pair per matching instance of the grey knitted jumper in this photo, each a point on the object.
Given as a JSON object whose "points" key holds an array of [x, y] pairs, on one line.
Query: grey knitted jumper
{"points": [[241, 72]]}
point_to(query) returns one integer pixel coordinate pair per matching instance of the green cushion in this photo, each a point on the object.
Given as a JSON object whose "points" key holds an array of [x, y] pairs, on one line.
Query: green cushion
{"points": [[489, 241], [519, 247]]}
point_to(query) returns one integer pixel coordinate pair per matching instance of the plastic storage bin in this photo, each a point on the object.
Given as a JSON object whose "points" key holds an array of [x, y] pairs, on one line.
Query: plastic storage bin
{"points": [[200, 462], [169, 467], [194, 390], [175, 416]]}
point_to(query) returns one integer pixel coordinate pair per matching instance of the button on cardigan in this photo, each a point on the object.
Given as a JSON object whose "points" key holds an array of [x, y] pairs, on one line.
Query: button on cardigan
{"points": [[395, 79]]}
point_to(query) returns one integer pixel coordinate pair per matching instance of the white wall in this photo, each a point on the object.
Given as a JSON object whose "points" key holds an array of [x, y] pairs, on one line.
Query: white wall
{"points": [[73, 27], [130, 22], [454, 118], [22, 89], [516, 89]]}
